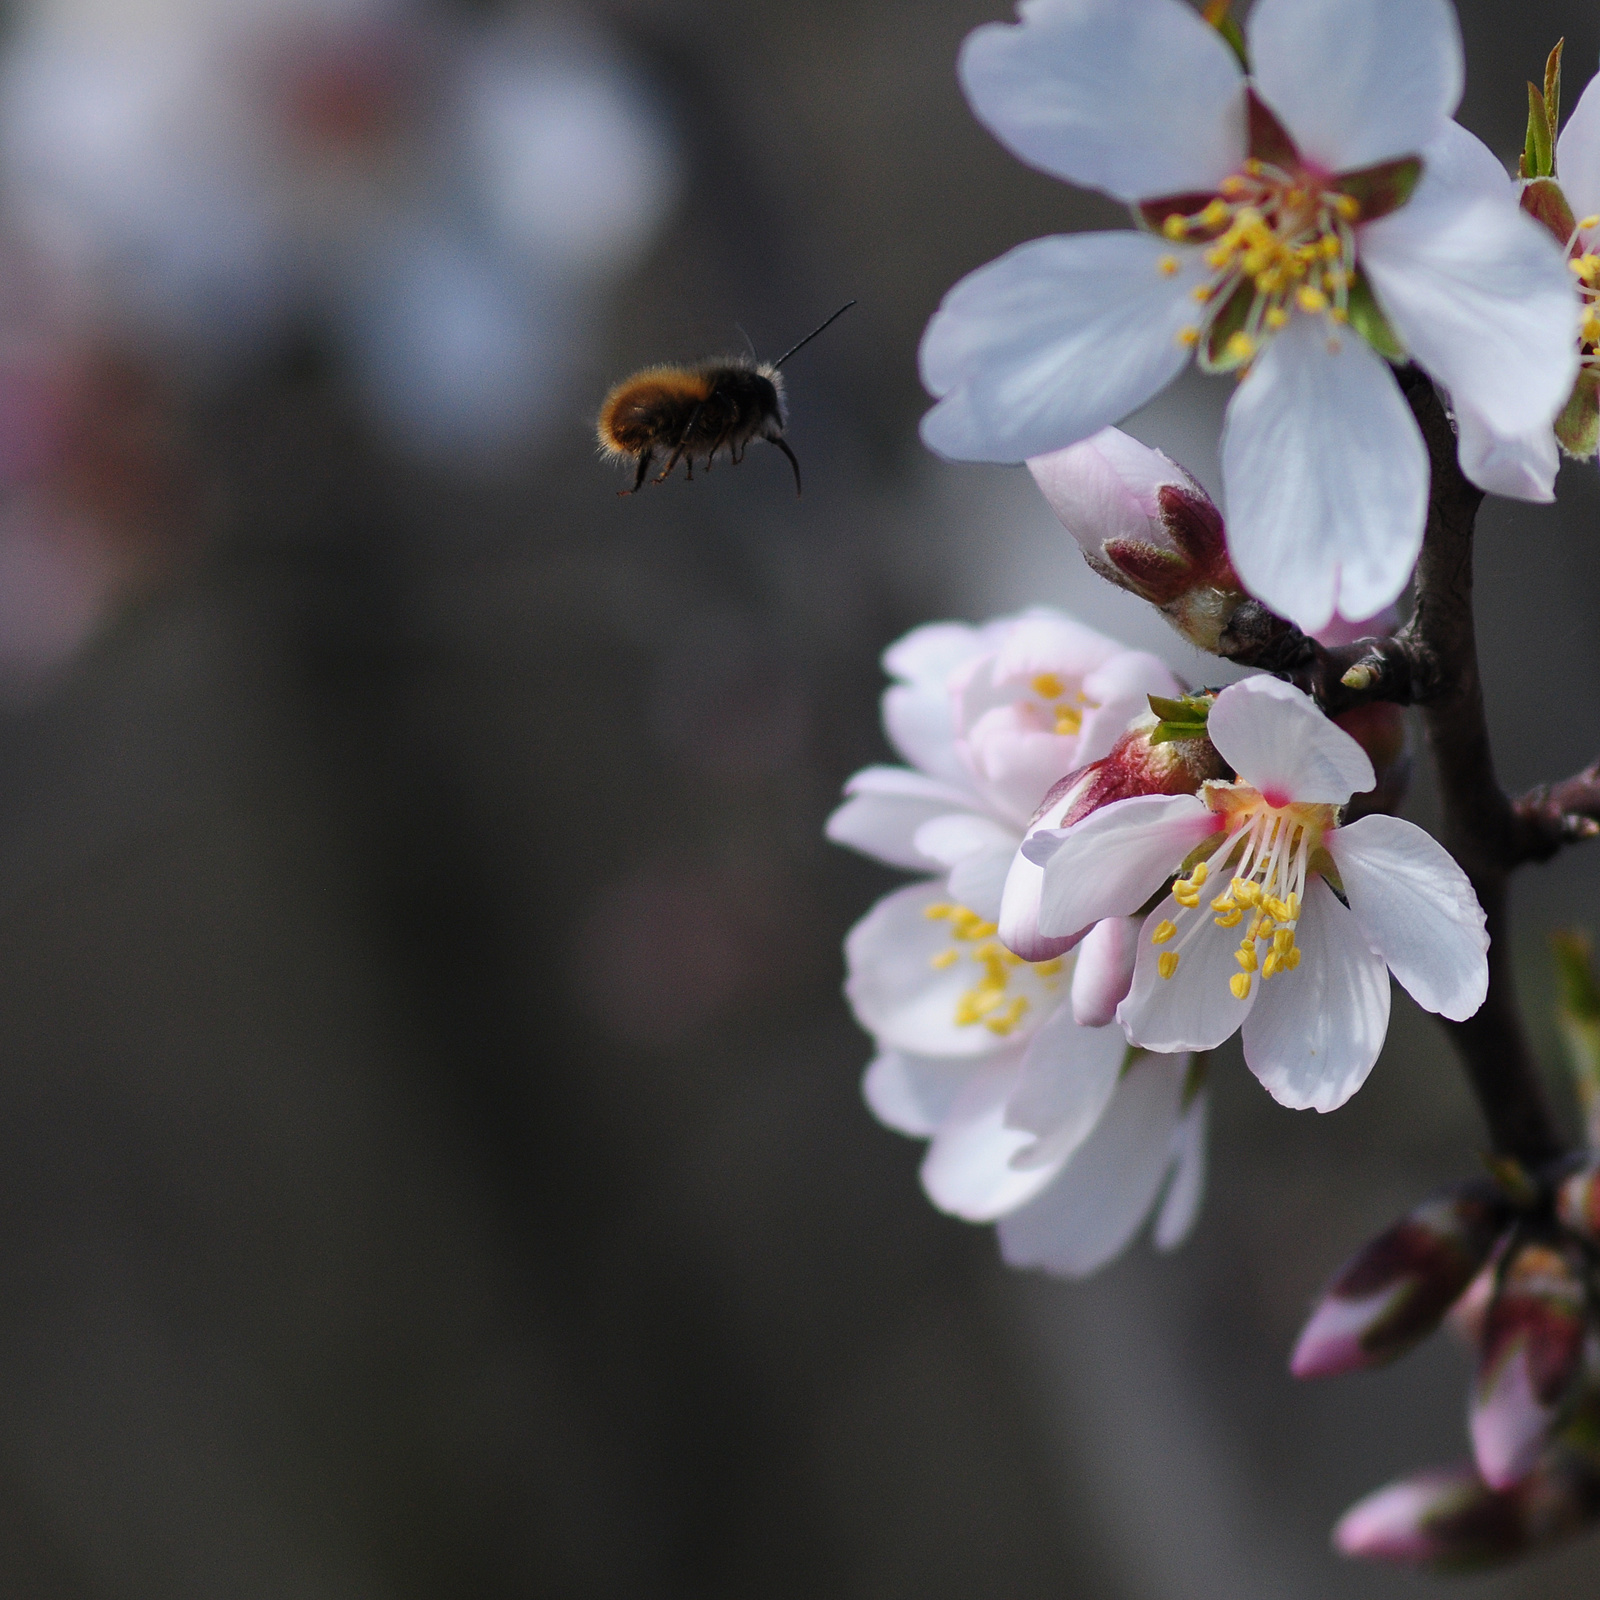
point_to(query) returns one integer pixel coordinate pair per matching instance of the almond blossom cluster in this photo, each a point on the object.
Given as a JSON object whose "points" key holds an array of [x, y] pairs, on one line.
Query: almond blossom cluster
{"points": [[1118, 871]]}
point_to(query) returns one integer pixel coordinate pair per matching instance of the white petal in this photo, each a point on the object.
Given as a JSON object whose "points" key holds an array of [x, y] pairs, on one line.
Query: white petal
{"points": [[1274, 737], [1326, 476], [952, 839], [1315, 1032], [1094, 1208], [927, 656], [1053, 341], [907, 1002], [914, 1094], [1103, 972], [884, 808], [1578, 153], [1109, 864], [1417, 910], [1136, 97], [1194, 1009], [1482, 298], [1182, 1204], [1357, 81], [1068, 1077], [979, 882], [968, 1170], [1520, 466]]}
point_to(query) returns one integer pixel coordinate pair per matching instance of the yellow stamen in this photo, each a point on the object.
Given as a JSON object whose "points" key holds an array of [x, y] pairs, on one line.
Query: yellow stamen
{"points": [[1164, 930], [945, 958], [1277, 317], [1048, 686], [1240, 346], [1240, 984], [1312, 300], [1168, 266], [1049, 969], [1189, 337], [1168, 963], [1245, 955], [1231, 919]]}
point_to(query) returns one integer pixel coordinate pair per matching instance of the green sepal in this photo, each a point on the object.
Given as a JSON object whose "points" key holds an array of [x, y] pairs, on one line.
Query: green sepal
{"points": [[1212, 356], [1538, 148], [1578, 425], [1381, 189], [1367, 319], [1219, 13], [1578, 1015], [1552, 93], [1180, 719], [1543, 200]]}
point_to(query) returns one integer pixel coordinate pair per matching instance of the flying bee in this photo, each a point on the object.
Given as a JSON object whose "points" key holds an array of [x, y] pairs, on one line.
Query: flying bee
{"points": [[688, 414]]}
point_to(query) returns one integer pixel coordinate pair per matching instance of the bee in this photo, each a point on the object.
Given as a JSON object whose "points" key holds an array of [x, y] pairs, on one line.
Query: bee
{"points": [[693, 412]]}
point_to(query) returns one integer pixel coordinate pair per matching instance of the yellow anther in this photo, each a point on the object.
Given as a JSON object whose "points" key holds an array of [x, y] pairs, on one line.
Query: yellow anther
{"points": [[945, 958], [1048, 686], [1216, 213], [1168, 266], [1283, 941], [1245, 955], [1347, 206], [1330, 248], [1049, 969], [1293, 908], [1164, 930], [1200, 874], [1240, 346], [1224, 902], [1277, 317], [1175, 228], [1189, 337], [1270, 965], [1240, 984], [1201, 292], [939, 912], [1586, 223], [1230, 919], [1233, 184], [1253, 167], [1219, 255], [1339, 314], [1168, 963], [1068, 719], [1007, 1020], [1187, 898], [1277, 909], [1312, 300], [1292, 960], [1245, 891]]}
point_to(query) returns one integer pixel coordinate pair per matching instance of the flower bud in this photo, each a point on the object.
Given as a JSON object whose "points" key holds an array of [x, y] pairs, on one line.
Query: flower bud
{"points": [[1450, 1519], [1531, 1354], [1138, 764], [1578, 1202], [1145, 525], [1393, 1292]]}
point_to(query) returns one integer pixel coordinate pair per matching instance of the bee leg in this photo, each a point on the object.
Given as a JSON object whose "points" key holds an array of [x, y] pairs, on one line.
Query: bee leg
{"points": [[638, 479], [777, 439], [683, 444]]}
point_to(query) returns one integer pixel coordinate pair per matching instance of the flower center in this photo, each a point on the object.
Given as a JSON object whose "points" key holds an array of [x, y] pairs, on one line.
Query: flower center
{"points": [[1265, 854], [1063, 707], [991, 1000], [1584, 265], [1277, 241]]}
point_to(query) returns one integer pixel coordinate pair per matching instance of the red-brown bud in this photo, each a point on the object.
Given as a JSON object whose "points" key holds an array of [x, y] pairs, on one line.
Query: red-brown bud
{"points": [[1393, 1292]]}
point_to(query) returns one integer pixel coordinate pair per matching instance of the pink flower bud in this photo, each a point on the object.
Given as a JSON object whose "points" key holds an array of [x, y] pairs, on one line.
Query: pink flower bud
{"points": [[1145, 525], [1393, 1292], [1529, 1358], [1134, 767], [1449, 1518]]}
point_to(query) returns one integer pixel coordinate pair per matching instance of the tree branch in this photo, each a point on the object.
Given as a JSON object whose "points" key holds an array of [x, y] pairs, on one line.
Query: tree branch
{"points": [[1480, 827]]}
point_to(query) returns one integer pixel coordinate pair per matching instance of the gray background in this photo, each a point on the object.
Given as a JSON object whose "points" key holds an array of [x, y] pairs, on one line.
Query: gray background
{"points": [[431, 1159]]}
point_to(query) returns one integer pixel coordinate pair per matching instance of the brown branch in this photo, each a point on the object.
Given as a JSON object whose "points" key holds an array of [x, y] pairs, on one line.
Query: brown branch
{"points": [[1480, 828], [1557, 814]]}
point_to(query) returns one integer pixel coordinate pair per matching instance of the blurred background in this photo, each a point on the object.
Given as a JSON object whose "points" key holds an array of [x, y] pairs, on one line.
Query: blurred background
{"points": [[431, 1156]]}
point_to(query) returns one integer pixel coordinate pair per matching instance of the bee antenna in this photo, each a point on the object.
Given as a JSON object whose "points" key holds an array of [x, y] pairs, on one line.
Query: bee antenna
{"points": [[812, 335], [750, 343]]}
